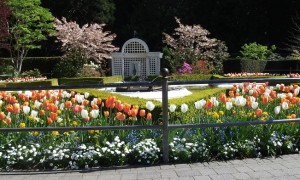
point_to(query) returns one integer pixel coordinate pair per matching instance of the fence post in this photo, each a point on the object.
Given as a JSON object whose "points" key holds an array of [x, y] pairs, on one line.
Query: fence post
{"points": [[165, 73]]}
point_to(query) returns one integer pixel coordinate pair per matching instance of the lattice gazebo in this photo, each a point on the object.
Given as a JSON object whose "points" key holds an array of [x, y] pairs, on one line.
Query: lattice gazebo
{"points": [[136, 60]]}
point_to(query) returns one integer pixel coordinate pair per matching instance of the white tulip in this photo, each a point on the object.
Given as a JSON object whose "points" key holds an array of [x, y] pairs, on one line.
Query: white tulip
{"points": [[228, 105], [62, 106], [296, 91], [94, 113], [79, 98], [285, 105], [86, 95], [172, 108], [59, 119], [1, 102], [34, 113], [281, 95], [199, 104], [216, 103], [28, 93], [26, 109], [149, 105], [84, 113], [254, 105], [94, 101], [240, 101], [277, 109], [37, 104], [184, 108], [252, 98], [250, 92]]}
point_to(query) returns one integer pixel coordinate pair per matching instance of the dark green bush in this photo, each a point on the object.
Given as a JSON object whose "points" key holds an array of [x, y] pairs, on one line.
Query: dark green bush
{"points": [[70, 66]]}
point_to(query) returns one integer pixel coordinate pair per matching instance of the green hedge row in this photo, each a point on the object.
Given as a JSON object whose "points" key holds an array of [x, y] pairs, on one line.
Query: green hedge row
{"points": [[274, 67], [44, 64], [239, 65], [48, 82]]}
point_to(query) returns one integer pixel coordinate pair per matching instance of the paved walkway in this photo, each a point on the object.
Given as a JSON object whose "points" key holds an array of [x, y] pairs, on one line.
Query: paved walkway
{"points": [[284, 167]]}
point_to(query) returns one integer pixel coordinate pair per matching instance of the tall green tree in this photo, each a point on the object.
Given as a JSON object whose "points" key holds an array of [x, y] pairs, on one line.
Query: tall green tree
{"points": [[29, 24]]}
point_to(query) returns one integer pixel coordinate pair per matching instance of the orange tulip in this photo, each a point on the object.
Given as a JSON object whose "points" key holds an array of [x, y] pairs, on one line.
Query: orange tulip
{"points": [[209, 104], [53, 116], [294, 100], [73, 100], [53, 99], [99, 101], [42, 112], [85, 102], [258, 112], [68, 104], [255, 94], [2, 115], [126, 108], [149, 116], [222, 97], [16, 108], [53, 108], [95, 106], [119, 105], [121, 116], [265, 100], [8, 120], [293, 116], [273, 94], [134, 112], [9, 108], [109, 103], [49, 121], [142, 113]]}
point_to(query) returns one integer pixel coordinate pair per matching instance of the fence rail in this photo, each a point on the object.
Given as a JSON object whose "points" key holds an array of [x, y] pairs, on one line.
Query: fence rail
{"points": [[165, 127]]}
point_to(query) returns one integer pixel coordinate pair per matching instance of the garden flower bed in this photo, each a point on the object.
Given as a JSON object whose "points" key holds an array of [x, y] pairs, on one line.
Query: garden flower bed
{"points": [[94, 148]]}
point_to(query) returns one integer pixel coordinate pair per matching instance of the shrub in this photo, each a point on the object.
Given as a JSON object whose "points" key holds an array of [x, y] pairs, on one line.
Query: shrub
{"points": [[185, 69], [69, 66], [256, 51]]}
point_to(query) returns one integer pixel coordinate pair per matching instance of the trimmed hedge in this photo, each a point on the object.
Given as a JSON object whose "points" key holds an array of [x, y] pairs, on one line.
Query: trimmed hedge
{"points": [[89, 80], [48, 82], [239, 65]]}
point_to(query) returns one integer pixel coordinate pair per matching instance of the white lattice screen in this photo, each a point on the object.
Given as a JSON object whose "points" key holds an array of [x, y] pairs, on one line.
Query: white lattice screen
{"points": [[136, 60]]}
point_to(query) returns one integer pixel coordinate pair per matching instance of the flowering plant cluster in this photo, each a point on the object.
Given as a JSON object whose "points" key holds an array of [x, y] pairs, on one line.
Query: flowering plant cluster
{"points": [[185, 69], [93, 148], [25, 79], [246, 74]]}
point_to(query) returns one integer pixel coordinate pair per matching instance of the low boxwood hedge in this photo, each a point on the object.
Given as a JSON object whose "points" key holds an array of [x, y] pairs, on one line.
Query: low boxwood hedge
{"points": [[43, 83]]}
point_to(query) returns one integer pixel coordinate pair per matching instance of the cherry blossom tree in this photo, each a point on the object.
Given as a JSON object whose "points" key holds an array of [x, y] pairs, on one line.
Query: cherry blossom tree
{"points": [[191, 44], [89, 41]]}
